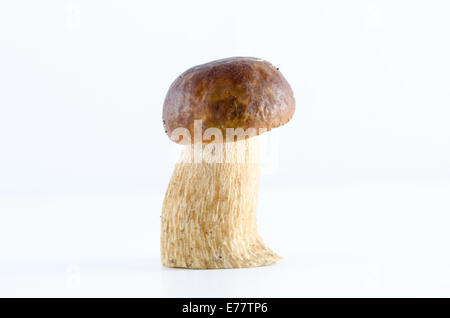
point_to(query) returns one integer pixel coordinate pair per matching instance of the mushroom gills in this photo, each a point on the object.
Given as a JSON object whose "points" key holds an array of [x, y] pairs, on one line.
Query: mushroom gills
{"points": [[209, 210]]}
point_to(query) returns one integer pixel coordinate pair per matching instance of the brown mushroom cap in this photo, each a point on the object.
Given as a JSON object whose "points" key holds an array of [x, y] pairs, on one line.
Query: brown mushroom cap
{"points": [[237, 92]]}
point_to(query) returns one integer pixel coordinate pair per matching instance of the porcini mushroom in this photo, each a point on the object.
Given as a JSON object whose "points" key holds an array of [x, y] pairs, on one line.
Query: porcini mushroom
{"points": [[209, 210]]}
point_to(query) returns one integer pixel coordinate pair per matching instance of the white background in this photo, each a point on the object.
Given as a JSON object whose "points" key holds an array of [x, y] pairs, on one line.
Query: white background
{"points": [[358, 205]]}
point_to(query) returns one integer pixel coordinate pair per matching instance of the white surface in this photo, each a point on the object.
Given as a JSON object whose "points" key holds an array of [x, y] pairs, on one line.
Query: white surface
{"points": [[342, 240], [357, 204]]}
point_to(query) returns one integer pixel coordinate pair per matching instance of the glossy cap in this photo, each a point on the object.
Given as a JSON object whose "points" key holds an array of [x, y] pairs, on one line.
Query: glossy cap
{"points": [[237, 92]]}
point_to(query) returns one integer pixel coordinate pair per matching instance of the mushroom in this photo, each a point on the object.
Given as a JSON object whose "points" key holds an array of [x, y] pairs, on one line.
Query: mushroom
{"points": [[209, 210]]}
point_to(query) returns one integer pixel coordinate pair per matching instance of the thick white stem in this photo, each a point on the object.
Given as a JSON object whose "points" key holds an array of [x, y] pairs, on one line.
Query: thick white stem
{"points": [[209, 211]]}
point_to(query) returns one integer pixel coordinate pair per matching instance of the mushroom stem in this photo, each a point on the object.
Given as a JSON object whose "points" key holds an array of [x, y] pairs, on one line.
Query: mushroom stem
{"points": [[209, 211]]}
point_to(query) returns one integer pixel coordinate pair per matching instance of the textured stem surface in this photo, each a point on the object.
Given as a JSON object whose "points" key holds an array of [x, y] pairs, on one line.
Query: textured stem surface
{"points": [[209, 211]]}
